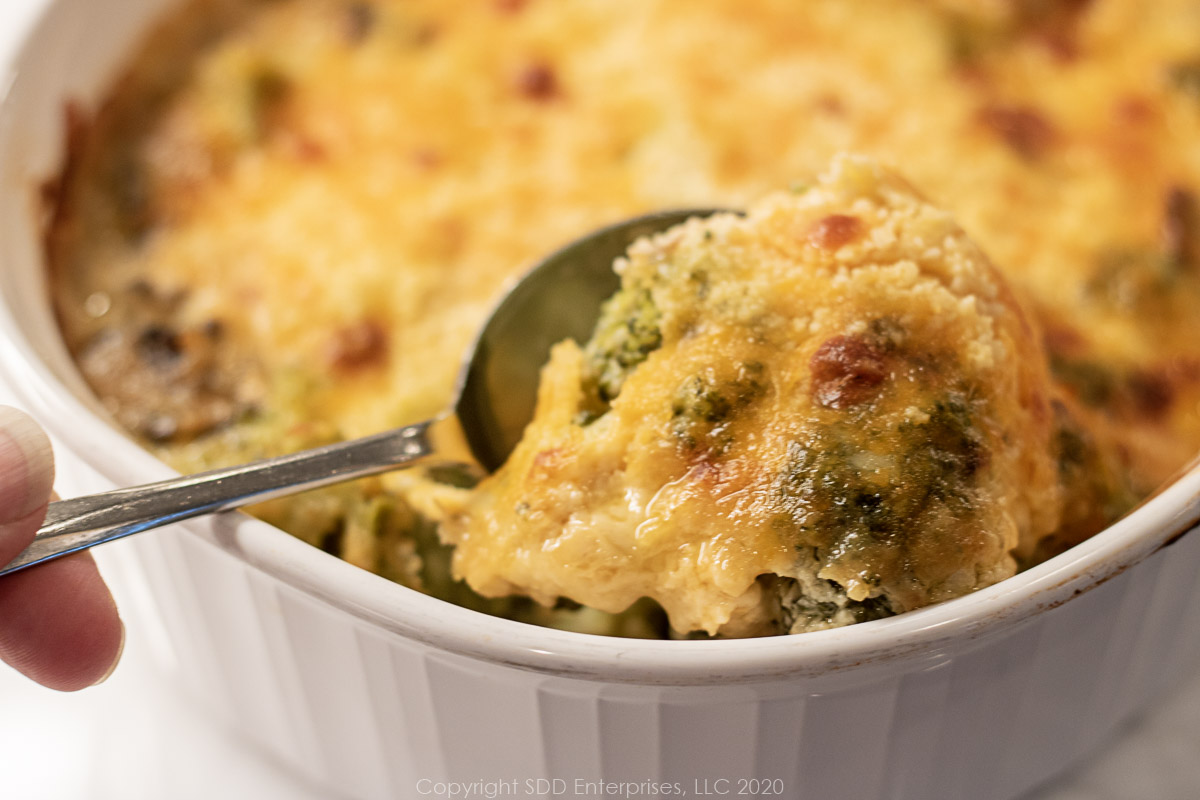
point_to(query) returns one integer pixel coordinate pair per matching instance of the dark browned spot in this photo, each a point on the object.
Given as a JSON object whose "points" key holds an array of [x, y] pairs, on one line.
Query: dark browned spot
{"points": [[847, 371], [1183, 369], [1061, 44], [1134, 109], [537, 81], [834, 231], [426, 158], [302, 148], [55, 208], [1036, 11], [168, 383], [1026, 130], [213, 329], [1053, 23], [426, 34], [1179, 233], [50, 192], [1060, 337], [1151, 393], [831, 104], [358, 20], [159, 347], [271, 92], [358, 346], [510, 6], [331, 540]]}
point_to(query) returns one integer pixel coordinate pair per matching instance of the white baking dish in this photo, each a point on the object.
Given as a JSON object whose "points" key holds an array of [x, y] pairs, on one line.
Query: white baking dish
{"points": [[377, 691]]}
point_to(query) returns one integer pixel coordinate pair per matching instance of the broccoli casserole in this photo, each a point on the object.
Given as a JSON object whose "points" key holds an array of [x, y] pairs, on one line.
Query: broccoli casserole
{"points": [[287, 219]]}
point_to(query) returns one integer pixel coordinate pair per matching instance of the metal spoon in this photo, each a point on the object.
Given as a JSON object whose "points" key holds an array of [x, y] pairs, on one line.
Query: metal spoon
{"points": [[494, 398]]}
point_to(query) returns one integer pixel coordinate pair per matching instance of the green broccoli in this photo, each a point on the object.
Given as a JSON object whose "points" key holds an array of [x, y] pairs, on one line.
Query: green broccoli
{"points": [[627, 332]]}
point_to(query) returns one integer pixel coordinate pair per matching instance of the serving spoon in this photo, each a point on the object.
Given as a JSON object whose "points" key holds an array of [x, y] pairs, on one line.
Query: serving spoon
{"points": [[493, 401]]}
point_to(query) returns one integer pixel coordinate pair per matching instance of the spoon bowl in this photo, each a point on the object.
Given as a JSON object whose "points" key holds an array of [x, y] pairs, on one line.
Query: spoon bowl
{"points": [[494, 398]]}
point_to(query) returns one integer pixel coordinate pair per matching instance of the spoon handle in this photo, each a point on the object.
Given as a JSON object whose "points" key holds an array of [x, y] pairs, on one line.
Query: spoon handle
{"points": [[82, 522]]}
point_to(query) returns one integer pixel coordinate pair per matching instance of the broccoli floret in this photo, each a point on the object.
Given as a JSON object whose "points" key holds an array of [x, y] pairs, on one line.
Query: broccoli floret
{"points": [[627, 332], [702, 398], [703, 404], [697, 400], [840, 507], [823, 605]]}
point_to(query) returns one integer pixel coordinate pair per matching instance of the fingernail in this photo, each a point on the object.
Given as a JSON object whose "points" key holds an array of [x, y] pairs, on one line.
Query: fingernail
{"points": [[113, 667], [26, 465]]}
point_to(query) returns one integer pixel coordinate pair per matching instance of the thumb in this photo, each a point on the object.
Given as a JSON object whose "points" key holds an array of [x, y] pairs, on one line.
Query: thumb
{"points": [[58, 622], [26, 479]]}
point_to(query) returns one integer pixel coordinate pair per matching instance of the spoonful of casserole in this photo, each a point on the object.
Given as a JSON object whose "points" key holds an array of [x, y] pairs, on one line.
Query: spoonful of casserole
{"points": [[828, 410]]}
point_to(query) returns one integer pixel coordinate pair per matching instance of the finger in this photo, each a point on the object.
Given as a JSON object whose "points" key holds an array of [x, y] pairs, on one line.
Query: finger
{"points": [[59, 624], [26, 477]]}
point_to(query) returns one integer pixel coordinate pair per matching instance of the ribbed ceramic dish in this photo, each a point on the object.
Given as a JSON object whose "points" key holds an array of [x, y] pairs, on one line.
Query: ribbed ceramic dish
{"points": [[376, 691]]}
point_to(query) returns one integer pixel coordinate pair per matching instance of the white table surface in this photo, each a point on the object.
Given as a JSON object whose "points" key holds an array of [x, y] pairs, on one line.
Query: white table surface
{"points": [[136, 738]]}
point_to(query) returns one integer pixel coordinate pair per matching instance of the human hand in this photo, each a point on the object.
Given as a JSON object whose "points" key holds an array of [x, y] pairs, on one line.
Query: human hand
{"points": [[58, 622]]}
